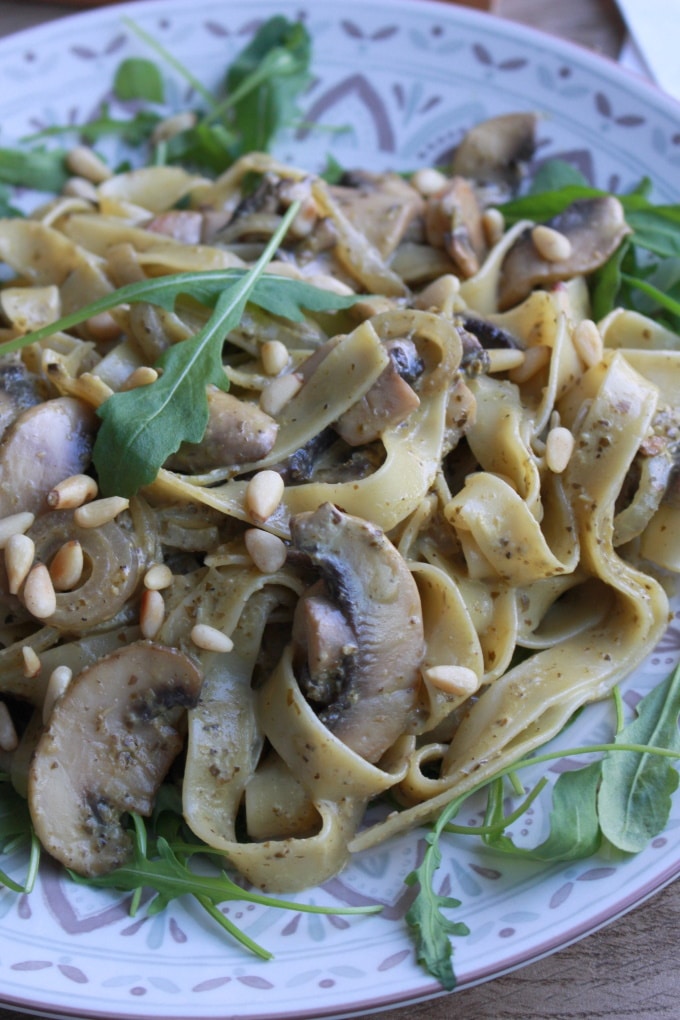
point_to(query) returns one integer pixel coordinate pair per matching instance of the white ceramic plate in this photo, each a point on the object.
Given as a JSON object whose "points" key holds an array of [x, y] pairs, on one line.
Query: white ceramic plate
{"points": [[408, 77]]}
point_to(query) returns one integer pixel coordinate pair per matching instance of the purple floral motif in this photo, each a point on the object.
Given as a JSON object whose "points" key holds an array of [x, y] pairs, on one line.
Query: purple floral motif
{"points": [[355, 85], [604, 106]]}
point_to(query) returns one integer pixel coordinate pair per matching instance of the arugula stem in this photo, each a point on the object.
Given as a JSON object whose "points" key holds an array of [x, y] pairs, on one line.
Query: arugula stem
{"points": [[177, 65], [491, 830], [235, 932], [662, 299]]}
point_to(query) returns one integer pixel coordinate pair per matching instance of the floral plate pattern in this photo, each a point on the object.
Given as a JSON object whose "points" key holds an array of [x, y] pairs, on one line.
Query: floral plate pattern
{"points": [[396, 82]]}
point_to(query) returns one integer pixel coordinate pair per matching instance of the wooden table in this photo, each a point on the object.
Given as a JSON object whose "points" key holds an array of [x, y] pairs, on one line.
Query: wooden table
{"points": [[628, 969]]}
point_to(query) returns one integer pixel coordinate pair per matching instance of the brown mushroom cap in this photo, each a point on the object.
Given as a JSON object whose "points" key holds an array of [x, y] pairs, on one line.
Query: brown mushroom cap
{"points": [[493, 151], [369, 581], [594, 227], [110, 740], [55, 438]]}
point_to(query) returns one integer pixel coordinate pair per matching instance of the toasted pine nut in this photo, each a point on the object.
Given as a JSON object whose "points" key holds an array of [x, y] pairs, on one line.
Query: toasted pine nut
{"points": [[84, 162], [32, 663], [268, 552], [56, 687], [99, 512], [559, 446], [8, 734], [263, 494], [103, 328], [274, 356], [19, 556], [428, 181], [151, 613], [80, 187], [173, 125], [493, 225], [535, 358], [142, 376], [279, 391], [588, 342], [210, 638], [15, 524], [39, 595], [60, 678], [66, 568], [458, 680], [72, 492], [157, 577], [550, 244], [503, 359]]}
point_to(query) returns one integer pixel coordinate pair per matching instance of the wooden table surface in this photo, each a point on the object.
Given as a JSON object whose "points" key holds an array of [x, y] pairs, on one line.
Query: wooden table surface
{"points": [[629, 968]]}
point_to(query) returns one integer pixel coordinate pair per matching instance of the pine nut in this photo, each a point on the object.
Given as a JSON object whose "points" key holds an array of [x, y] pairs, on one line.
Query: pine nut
{"points": [[588, 342], [32, 663], [39, 595], [66, 568], [504, 359], [59, 680], [559, 446], [274, 356], [72, 492], [550, 244], [428, 181], [8, 734], [79, 187], [19, 556], [268, 552], [457, 680], [263, 494], [173, 125], [101, 511], [15, 524], [151, 613], [535, 358], [142, 376], [493, 225], [84, 162], [157, 577], [279, 391], [210, 639]]}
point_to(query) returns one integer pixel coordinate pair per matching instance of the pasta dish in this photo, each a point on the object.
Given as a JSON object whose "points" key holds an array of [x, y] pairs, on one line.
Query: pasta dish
{"points": [[423, 527]]}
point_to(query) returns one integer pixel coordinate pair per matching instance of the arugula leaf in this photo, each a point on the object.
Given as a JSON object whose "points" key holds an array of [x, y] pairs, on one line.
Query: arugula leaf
{"points": [[265, 80], [634, 797], [574, 828], [137, 78], [429, 927], [145, 426], [39, 168]]}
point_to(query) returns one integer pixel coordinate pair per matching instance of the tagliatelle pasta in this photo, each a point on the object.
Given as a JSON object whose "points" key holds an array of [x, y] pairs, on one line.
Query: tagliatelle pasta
{"points": [[447, 596]]}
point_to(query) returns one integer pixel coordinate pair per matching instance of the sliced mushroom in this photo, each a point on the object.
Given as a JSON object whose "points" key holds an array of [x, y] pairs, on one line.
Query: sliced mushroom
{"points": [[111, 738], [367, 579], [238, 432], [453, 221], [494, 150], [594, 228], [185, 225], [389, 401], [46, 443]]}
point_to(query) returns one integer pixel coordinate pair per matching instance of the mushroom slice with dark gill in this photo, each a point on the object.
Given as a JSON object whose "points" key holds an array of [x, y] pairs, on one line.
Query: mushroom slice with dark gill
{"points": [[238, 432], [377, 642], [110, 741], [55, 438], [594, 229], [494, 151]]}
